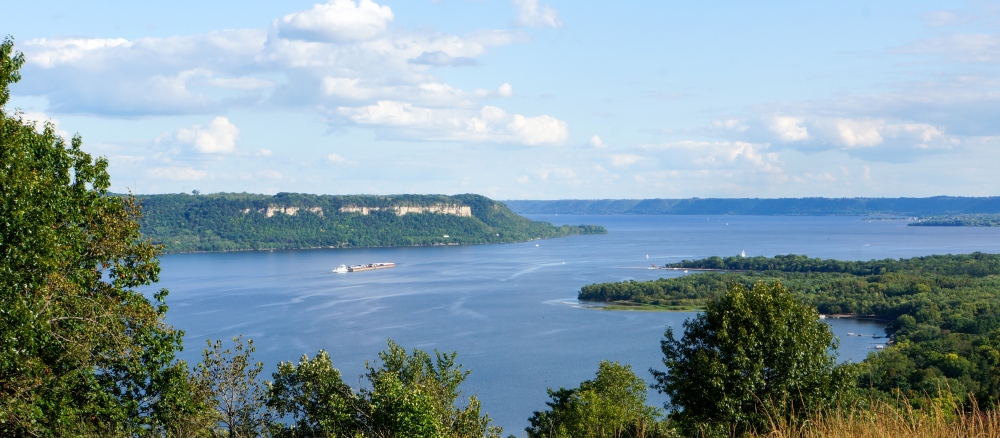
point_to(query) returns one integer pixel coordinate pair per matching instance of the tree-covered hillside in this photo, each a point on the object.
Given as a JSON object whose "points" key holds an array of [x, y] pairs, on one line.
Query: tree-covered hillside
{"points": [[938, 205], [240, 221], [943, 312]]}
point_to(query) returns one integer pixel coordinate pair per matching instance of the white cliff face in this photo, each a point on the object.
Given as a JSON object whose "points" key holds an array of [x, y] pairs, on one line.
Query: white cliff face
{"points": [[291, 211], [401, 210]]}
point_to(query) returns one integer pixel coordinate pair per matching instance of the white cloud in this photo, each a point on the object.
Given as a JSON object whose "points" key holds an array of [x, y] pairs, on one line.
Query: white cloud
{"points": [[335, 158], [489, 125], [177, 173], [788, 128], [523, 179], [531, 14], [505, 90], [735, 125], [851, 133], [264, 153], [623, 160], [736, 154], [596, 142], [553, 172], [336, 21], [218, 137]]}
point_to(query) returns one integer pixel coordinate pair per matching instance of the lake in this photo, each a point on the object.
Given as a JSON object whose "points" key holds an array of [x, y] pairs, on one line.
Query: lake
{"points": [[509, 310]]}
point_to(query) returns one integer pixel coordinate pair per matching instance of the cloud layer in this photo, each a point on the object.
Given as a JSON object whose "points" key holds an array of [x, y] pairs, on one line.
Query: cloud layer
{"points": [[340, 57]]}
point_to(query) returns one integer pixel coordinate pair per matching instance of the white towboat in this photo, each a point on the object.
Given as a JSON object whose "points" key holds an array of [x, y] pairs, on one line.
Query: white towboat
{"points": [[342, 269]]}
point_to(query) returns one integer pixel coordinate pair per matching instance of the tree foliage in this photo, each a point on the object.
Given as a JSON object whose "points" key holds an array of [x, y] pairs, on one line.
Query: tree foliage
{"points": [[408, 395], [753, 355], [611, 405], [81, 350]]}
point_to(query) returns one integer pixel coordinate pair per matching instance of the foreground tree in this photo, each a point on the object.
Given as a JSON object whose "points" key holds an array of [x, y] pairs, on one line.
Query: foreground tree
{"points": [[613, 405], [82, 352], [409, 395], [752, 357]]}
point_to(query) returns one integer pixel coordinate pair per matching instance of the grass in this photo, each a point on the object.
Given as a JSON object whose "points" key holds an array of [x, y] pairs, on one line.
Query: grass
{"points": [[886, 420]]}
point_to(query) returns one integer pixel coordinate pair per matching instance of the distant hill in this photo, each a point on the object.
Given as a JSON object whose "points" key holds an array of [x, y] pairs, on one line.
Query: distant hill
{"points": [[241, 221], [935, 206]]}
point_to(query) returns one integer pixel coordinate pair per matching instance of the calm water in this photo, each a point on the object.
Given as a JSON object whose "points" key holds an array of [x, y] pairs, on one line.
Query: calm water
{"points": [[509, 310]]}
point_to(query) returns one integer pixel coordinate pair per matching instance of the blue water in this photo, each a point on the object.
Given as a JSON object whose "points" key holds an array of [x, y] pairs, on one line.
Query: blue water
{"points": [[509, 310]]}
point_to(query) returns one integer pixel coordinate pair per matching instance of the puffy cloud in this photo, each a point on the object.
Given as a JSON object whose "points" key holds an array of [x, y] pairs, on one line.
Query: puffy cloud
{"points": [[531, 14], [338, 57], [788, 128], [489, 125], [596, 142], [177, 173], [720, 154], [218, 137], [336, 21], [146, 76]]}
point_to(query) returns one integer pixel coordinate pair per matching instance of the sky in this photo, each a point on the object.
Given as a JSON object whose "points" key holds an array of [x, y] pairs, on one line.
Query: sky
{"points": [[522, 99]]}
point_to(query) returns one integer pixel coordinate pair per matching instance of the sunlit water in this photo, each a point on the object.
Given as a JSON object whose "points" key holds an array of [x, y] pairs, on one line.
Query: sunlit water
{"points": [[509, 310]]}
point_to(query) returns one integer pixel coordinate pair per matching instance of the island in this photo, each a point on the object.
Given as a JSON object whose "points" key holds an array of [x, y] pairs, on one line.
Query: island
{"points": [[964, 220], [242, 221]]}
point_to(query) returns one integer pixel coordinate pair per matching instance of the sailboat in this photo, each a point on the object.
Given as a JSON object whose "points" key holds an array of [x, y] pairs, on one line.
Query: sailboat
{"points": [[647, 256], [743, 254]]}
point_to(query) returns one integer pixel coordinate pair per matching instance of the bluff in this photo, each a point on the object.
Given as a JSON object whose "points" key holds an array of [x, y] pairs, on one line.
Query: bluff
{"points": [[242, 221], [933, 206]]}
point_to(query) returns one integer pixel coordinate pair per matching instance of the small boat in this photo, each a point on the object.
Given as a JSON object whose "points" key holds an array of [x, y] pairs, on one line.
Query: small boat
{"points": [[647, 256], [342, 269], [536, 244], [743, 254]]}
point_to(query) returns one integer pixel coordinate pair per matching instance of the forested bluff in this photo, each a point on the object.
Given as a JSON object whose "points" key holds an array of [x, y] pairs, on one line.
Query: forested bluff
{"points": [[923, 207], [241, 221]]}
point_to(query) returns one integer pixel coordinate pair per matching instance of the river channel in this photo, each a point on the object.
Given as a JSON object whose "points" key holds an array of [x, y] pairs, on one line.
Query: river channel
{"points": [[509, 310]]}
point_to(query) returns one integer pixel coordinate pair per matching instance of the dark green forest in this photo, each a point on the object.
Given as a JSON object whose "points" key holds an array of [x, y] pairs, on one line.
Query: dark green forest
{"points": [[241, 221], [963, 220], [942, 312]]}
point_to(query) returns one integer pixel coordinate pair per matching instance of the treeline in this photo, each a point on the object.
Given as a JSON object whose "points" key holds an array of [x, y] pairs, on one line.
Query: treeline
{"points": [[943, 312], [240, 221], [965, 220], [939, 205]]}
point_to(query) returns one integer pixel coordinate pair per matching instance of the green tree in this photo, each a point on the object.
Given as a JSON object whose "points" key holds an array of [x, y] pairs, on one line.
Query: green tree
{"points": [[315, 396], [81, 350], [235, 393], [611, 405], [415, 395], [753, 356]]}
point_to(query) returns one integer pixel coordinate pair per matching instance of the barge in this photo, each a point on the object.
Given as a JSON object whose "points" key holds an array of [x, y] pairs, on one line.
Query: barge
{"points": [[370, 267]]}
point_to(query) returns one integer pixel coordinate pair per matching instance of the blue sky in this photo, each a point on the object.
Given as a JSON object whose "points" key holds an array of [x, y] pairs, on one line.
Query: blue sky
{"points": [[523, 99]]}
